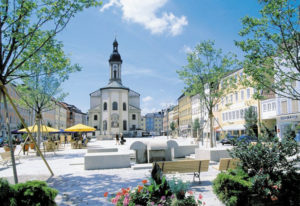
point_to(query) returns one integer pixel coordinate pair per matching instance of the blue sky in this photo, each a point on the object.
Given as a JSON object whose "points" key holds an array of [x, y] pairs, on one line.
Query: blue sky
{"points": [[153, 36]]}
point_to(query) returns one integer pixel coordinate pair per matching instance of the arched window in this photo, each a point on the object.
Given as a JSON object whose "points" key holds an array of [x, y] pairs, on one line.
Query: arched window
{"points": [[124, 106], [124, 125], [115, 74], [115, 106], [105, 106], [95, 117], [133, 117], [104, 125]]}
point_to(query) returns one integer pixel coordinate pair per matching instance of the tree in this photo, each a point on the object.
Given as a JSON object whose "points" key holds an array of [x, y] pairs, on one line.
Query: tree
{"points": [[172, 126], [49, 68], [272, 47], [22, 24], [202, 75], [251, 121]]}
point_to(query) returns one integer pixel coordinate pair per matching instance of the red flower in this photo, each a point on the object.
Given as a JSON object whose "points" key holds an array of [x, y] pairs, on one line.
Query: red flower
{"points": [[190, 192], [144, 181], [275, 187], [105, 194], [200, 197], [140, 188]]}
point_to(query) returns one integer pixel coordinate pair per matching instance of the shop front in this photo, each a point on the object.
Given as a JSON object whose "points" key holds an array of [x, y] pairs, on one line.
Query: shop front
{"points": [[287, 121]]}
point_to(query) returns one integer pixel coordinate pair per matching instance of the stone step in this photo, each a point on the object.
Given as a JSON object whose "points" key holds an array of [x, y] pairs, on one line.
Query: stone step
{"points": [[142, 166]]}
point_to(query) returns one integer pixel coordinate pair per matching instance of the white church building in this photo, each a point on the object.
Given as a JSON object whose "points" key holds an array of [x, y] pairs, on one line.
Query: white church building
{"points": [[114, 109]]}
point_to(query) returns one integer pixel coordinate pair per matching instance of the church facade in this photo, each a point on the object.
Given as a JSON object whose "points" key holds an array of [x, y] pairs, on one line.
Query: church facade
{"points": [[115, 109]]}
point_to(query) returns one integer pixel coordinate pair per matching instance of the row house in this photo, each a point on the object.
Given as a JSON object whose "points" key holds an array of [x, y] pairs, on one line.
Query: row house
{"points": [[154, 123], [185, 115], [74, 115]]}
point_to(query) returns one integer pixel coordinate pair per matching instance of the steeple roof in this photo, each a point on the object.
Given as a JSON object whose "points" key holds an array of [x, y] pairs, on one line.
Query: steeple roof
{"points": [[115, 56]]}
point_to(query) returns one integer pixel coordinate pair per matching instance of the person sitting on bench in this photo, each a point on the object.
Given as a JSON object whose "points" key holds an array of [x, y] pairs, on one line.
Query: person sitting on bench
{"points": [[122, 139]]}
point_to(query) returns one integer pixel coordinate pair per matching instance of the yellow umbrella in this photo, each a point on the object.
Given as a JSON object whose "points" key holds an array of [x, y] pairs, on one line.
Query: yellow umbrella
{"points": [[44, 128], [80, 128]]}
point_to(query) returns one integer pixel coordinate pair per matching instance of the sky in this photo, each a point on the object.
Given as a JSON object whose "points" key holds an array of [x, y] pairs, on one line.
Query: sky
{"points": [[154, 37]]}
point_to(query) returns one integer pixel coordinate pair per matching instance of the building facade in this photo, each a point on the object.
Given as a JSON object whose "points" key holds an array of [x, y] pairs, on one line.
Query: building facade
{"points": [[154, 123], [114, 108], [185, 115]]}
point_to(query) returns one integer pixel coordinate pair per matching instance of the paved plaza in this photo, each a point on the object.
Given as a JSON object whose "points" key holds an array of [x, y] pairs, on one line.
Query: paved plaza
{"points": [[77, 186]]}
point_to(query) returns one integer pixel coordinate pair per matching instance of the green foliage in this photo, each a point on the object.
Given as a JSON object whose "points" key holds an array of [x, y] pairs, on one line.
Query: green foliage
{"points": [[188, 201], [196, 124], [35, 193], [232, 187], [269, 165], [7, 196], [172, 126], [271, 44], [30, 193], [178, 187], [251, 121]]}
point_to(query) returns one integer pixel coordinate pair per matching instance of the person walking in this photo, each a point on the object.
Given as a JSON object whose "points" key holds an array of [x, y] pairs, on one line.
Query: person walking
{"points": [[122, 139], [117, 139]]}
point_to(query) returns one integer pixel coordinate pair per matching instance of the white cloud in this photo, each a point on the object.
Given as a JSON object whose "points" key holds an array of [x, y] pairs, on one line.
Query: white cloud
{"points": [[165, 105], [147, 99], [144, 12], [187, 49]]}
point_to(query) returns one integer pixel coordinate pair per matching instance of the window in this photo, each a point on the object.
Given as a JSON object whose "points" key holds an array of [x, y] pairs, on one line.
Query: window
{"points": [[105, 106], [104, 125], [222, 101], [229, 118], [226, 100], [124, 106], [133, 127], [115, 74], [283, 107], [264, 107], [242, 94], [226, 116], [237, 114], [124, 125], [134, 117], [242, 113], [294, 106], [223, 117], [236, 97], [248, 93], [273, 106], [233, 115], [231, 98], [115, 106], [95, 117], [269, 107]]}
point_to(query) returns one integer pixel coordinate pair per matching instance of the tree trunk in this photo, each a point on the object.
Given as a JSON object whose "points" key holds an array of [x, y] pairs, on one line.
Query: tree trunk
{"points": [[10, 139], [38, 120], [211, 139]]}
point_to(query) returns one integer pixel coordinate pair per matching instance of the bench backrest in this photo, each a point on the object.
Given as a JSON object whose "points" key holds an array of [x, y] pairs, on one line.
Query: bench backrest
{"points": [[228, 163], [184, 166], [6, 156]]}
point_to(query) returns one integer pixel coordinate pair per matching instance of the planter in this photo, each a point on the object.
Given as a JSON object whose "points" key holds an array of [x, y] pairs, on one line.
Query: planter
{"points": [[32, 146], [26, 147], [7, 148]]}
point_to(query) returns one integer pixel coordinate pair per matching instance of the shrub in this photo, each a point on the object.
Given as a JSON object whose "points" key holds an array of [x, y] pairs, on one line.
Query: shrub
{"points": [[178, 187], [232, 187], [6, 193], [34, 193]]}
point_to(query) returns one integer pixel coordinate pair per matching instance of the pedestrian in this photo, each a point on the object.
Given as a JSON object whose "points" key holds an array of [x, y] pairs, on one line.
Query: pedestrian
{"points": [[117, 139], [122, 139]]}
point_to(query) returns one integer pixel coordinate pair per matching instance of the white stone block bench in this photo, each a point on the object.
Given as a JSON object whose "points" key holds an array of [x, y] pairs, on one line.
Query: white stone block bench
{"points": [[106, 160], [98, 150]]}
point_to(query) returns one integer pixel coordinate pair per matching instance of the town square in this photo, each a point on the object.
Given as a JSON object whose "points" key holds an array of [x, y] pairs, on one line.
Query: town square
{"points": [[153, 102]]}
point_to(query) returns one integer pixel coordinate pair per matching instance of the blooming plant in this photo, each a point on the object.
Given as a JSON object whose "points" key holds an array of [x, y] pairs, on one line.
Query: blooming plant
{"points": [[148, 194]]}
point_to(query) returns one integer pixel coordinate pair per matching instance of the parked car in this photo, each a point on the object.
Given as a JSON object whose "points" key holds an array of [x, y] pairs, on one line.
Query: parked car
{"points": [[246, 139], [229, 139]]}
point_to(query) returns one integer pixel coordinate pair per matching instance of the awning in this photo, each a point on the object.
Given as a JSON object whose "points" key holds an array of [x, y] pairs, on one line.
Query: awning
{"points": [[231, 127]]}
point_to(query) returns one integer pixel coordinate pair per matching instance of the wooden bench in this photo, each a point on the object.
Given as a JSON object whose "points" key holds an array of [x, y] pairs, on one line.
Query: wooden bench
{"points": [[6, 158], [227, 163], [184, 166]]}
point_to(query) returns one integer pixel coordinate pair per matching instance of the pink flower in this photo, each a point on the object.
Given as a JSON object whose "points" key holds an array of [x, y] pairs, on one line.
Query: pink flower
{"points": [[190, 192], [163, 197], [172, 196], [126, 201], [200, 196], [152, 203], [114, 201]]}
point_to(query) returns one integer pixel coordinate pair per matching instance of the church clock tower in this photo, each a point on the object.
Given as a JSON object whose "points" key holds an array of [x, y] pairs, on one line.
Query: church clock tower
{"points": [[115, 63]]}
